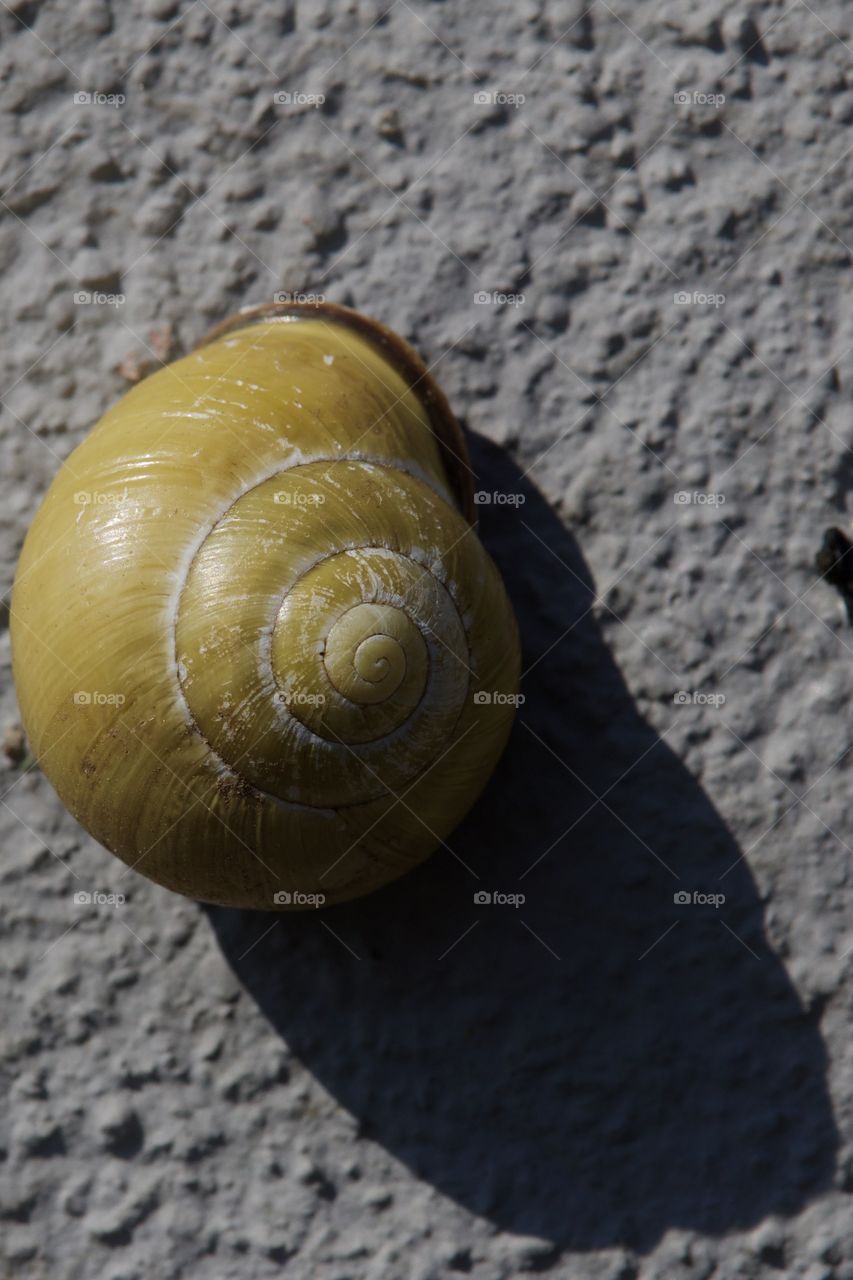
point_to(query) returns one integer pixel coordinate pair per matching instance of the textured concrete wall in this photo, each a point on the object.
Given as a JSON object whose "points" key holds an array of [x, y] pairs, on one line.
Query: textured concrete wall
{"points": [[654, 201]]}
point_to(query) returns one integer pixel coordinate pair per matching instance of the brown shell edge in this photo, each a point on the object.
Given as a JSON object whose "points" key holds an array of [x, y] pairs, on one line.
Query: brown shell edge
{"points": [[407, 363]]}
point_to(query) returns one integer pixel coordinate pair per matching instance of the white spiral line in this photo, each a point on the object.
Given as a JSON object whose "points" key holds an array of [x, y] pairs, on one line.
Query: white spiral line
{"points": [[269, 685]]}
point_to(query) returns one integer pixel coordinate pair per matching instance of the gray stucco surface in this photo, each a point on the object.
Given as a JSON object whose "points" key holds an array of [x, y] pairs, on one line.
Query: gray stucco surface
{"points": [[601, 1082]]}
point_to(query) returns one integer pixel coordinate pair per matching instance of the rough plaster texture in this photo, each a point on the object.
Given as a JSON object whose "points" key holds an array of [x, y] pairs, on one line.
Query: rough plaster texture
{"points": [[602, 1082]]}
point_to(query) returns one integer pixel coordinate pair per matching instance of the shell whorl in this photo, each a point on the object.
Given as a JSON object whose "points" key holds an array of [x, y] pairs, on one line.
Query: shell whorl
{"points": [[292, 607], [325, 641]]}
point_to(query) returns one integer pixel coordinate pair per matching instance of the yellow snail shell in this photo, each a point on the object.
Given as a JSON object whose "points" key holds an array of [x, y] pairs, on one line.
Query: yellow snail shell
{"points": [[253, 628]]}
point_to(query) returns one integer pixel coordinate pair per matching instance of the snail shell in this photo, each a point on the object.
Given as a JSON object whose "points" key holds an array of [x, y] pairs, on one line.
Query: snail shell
{"points": [[259, 649]]}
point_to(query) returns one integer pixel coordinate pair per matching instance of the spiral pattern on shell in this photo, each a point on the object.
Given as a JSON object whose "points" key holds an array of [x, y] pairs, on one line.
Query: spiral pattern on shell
{"points": [[262, 622]]}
